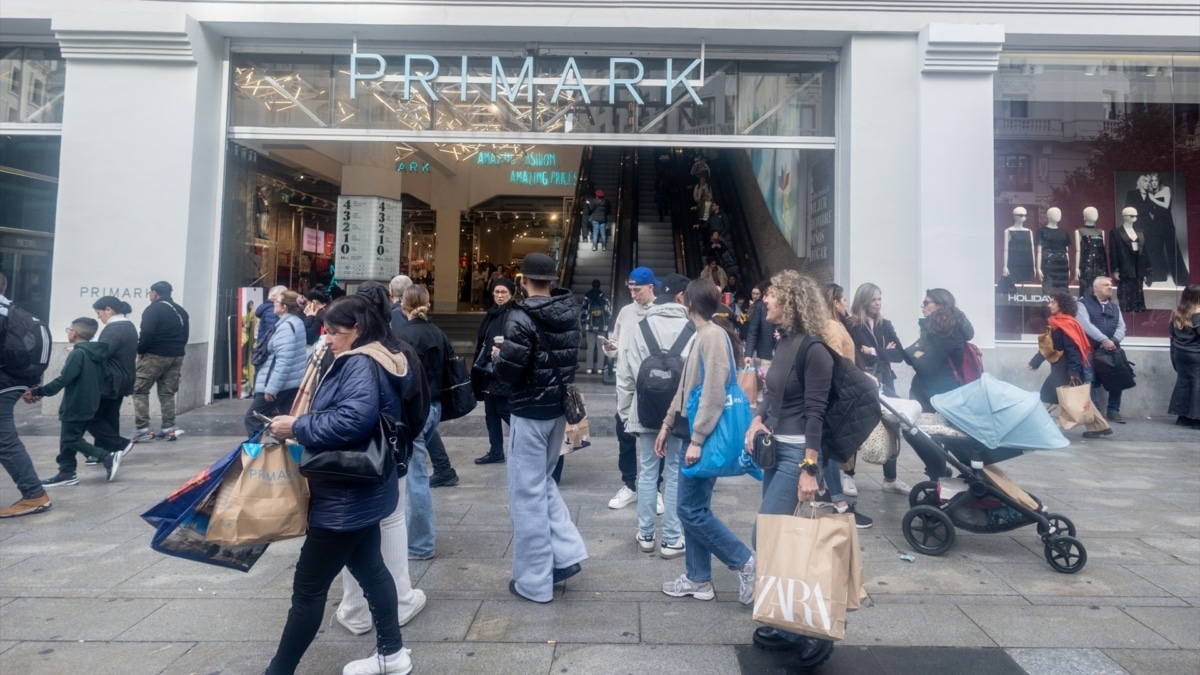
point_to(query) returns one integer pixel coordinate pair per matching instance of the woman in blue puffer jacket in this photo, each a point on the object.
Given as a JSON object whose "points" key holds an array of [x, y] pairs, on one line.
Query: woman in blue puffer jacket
{"points": [[279, 376], [369, 375]]}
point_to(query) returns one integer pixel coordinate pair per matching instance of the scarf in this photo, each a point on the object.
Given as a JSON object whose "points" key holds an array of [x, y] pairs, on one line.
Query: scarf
{"points": [[1071, 328]]}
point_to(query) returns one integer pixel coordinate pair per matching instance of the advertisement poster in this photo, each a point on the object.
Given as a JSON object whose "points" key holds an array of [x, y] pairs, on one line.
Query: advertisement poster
{"points": [[249, 298], [367, 243], [310, 240], [1161, 204]]}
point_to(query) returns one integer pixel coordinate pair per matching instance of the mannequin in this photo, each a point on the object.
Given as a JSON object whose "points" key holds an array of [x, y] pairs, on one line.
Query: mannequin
{"points": [[1018, 249], [1053, 247], [1092, 258], [262, 211], [1129, 262]]}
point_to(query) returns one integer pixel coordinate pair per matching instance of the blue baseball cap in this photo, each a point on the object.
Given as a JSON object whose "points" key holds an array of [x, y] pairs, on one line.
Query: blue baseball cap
{"points": [[642, 276]]}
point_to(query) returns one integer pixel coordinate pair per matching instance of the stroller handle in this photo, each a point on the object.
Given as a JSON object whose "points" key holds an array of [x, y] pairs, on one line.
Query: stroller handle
{"points": [[899, 415]]}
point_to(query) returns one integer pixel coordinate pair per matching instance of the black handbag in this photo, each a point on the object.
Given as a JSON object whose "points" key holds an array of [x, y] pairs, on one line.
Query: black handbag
{"points": [[680, 428], [764, 450], [1113, 370], [573, 407], [458, 394], [374, 461]]}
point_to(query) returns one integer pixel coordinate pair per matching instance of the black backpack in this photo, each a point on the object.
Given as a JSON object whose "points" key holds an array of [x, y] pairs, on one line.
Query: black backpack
{"points": [[26, 345], [659, 375], [853, 411]]}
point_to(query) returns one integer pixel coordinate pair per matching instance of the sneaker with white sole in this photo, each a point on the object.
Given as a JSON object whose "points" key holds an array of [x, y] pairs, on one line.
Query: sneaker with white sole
{"points": [[860, 521], [169, 434], [672, 551], [659, 506], [683, 587], [848, 487], [898, 486], [61, 479], [127, 449], [111, 462], [623, 498], [746, 581], [399, 663], [91, 461], [645, 544], [143, 435]]}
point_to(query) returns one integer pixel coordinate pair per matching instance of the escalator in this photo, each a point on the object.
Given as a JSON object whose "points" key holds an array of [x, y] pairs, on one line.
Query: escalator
{"points": [[584, 264], [656, 240]]}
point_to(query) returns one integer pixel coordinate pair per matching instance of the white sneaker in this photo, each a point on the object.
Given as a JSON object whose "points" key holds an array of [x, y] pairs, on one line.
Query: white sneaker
{"points": [[623, 498], [684, 586], [848, 487], [746, 579], [420, 605], [660, 506], [645, 544], [399, 663], [898, 486], [672, 551]]}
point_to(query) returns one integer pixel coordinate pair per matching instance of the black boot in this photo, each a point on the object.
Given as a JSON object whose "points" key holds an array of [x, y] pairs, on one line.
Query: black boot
{"points": [[449, 479], [489, 459]]}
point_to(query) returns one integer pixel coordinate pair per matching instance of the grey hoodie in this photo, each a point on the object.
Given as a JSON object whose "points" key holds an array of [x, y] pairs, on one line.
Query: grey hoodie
{"points": [[666, 322]]}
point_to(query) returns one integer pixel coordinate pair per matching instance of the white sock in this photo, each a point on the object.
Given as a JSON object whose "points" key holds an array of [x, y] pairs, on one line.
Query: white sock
{"points": [[842, 509]]}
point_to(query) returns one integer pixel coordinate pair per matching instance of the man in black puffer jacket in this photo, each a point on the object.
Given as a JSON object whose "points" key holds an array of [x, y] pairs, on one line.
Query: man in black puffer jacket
{"points": [[538, 359]]}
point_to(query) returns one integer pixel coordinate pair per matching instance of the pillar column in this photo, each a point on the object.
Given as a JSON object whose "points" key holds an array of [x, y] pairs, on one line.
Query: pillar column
{"points": [[955, 167]]}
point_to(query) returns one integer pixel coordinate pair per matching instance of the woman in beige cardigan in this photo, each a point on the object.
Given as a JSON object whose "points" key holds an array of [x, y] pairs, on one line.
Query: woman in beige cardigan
{"points": [[717, 346]]}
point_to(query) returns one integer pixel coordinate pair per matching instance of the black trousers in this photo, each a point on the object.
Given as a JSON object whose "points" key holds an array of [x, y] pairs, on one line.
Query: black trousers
{"points": [[71, 442], [495, 409], [324, 554], [627, 456], [282, 405], [438, 456], [105, 426]]}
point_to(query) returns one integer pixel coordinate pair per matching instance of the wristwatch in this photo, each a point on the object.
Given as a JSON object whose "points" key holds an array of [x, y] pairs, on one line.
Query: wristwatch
{"points": [[809, 466]]}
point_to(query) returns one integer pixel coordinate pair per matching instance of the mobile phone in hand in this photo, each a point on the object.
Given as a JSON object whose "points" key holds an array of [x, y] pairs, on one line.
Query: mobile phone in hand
{"points": [[263, 418]]}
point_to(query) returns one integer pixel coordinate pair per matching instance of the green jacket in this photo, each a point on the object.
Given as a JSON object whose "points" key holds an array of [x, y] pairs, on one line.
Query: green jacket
{"points": [[82, 376]]}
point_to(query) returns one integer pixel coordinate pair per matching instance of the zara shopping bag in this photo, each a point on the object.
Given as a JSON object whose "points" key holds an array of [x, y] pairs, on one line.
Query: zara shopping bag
{"points": [[724, 451], [1075, 406], [262, 499], [809, 574]]}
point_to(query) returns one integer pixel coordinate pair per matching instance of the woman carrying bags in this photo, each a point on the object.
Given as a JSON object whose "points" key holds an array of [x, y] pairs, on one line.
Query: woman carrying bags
{"points": [[1069, 352], [367, 378], [716, 350]]}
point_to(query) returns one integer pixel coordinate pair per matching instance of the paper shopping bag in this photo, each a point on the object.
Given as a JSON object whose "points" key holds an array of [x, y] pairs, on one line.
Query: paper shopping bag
{"points": [[747, 379], [804, 574], [1075, 405], [577, 437], [263, 500], [857, 592]]}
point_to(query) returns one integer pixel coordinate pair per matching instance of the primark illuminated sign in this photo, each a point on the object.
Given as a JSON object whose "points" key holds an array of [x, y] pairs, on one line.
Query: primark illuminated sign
{"points": [[424, 70]]}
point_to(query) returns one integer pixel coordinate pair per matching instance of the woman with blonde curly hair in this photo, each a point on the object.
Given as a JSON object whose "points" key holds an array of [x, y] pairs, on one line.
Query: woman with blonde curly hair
{"points": [[793, 412]]}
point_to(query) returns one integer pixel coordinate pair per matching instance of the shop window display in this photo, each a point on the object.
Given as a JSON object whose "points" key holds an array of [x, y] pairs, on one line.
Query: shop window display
{"points": [[1094, 168]]}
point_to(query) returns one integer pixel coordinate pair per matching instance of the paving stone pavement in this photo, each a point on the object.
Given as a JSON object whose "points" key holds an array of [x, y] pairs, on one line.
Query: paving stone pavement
{"points": [[81, 592]]}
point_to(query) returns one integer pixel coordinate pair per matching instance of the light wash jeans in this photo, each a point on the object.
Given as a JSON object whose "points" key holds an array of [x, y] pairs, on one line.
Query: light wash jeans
{"points": [[544, 538], [421, 535], [647, 506], [393, 541], [599, 234], [706, 535], [780, 486]]}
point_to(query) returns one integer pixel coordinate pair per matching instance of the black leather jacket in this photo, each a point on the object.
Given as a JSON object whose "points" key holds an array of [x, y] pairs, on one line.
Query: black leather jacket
{"points": [[540, 354]]}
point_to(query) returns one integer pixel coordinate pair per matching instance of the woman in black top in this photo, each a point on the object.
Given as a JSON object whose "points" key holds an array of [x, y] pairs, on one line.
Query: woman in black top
{"points": [[945, 331], [1185, 358], [122, 339], [495, 392]]}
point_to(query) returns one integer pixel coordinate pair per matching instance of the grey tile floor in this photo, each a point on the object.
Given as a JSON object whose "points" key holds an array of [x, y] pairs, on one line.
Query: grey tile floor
{"points": [[81, 592]]}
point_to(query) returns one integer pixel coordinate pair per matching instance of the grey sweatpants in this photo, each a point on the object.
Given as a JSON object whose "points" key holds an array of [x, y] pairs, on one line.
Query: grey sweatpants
{"points": [[544, 538]]}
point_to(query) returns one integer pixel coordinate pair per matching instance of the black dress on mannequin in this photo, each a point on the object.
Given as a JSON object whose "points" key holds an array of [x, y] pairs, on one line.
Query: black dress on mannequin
{"points": [[1131, 267], [1055, 265], [1020, 256], [1093, 259]]}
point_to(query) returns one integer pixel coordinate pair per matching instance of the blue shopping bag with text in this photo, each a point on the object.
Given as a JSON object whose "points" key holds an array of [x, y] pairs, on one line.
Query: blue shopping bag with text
{"points": [[724, 451]]}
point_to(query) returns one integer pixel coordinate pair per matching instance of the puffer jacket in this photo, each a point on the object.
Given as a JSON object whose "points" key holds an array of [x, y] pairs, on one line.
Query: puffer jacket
{"points": [[284, 368], [121, 337], [760, 333], [540, 354], [666, 322], [491, 327], [266, 318], [346, 409], [433, 348]]}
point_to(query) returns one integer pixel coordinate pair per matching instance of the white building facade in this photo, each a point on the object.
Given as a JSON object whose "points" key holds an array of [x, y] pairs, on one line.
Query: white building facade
{"points": [[122, 119]]}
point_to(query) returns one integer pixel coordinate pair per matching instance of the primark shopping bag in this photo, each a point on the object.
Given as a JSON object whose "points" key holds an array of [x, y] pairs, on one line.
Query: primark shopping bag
{"points": [[809, 574], [262, 499], [181, 521]]}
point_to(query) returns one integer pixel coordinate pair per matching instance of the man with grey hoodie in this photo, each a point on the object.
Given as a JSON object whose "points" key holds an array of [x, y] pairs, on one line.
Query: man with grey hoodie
{"points": [[670, 332]]}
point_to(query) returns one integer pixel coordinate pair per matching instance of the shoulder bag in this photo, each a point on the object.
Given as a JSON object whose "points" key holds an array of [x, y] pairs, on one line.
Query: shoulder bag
{"points": [[373, 461]]}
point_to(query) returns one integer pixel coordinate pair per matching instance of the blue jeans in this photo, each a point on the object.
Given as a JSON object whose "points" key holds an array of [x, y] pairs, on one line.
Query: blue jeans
{"points": [[781, 485], [647, 505], [831, 473], [1114, 397], [419, 500], [706, 535], [599, 234]]}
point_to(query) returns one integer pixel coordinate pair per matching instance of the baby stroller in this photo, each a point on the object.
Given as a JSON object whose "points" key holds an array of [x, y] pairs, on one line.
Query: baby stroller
{"points": [[989, 421]]}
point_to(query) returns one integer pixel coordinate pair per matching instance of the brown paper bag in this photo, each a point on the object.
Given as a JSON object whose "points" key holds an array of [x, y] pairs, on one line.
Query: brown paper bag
{"points": [[747, 379], [577, 437], [804, 574], [857, 592], [262, 499], [1075, 406]]}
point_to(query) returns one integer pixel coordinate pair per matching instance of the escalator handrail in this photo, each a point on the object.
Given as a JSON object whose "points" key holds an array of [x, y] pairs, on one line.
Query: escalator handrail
{"points": [[726, 194], [681, 213], [573, 227], [621, 250]]}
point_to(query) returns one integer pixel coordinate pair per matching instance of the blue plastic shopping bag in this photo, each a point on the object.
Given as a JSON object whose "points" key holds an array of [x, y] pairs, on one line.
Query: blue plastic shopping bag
{"points": [[182, 521], [724, 451]]}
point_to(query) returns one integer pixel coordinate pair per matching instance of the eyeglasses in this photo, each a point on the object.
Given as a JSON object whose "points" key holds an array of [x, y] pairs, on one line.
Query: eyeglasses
{"points": [[926, 303]]}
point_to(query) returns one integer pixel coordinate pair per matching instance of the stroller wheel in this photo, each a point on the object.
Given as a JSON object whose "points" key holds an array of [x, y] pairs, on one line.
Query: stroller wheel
{"points": [[1066, 554], [924, 492], [1061, 523], [928, 530]]}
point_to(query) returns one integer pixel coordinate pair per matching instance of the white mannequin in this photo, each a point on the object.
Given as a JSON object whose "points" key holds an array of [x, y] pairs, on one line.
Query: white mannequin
{"points": [[1019, 215], [1128, 218], [1090, 216], [1053, 215]]}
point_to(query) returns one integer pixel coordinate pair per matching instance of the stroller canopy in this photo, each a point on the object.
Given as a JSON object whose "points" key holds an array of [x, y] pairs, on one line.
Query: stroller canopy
{"points": [[998, 414]]}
